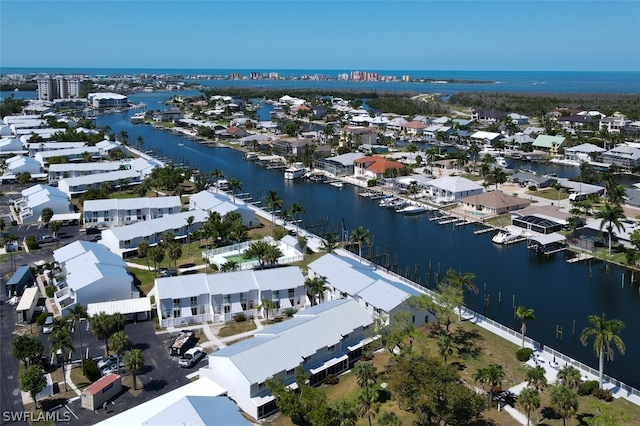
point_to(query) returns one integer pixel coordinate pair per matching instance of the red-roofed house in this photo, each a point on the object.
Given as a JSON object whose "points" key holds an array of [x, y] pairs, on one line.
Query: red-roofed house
{"points": [[413, 128], [374, 167]]}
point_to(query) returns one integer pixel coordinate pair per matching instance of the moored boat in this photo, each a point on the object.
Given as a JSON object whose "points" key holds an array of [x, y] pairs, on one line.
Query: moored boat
{"points": [[295, 171], [412, 209], [506, 237]]}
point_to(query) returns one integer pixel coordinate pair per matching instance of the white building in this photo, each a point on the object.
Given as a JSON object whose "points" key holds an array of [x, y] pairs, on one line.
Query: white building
{"points": [[107, 100], [339, 330], [379, 293], [196, 298], [118, 212], [449, 189], [71, 170], [34, 199], [583, 152], [22, 164], [124, 240], [9, 146], [73, 154], [35, 147], [209, 201], [92, 274], [78, 185]]}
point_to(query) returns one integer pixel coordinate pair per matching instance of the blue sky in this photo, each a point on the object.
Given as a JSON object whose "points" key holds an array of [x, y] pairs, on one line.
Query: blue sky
{"points": [[304, 34]]}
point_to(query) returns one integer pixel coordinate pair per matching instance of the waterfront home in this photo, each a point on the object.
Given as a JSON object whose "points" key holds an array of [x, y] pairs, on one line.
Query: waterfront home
{"points": [[340, 165], [90, 274], [118, 212], [375, 167], [530, 179], [413, 128], [518, 119], [34, 199], [339, 329], [81, 184], [73, 154], [35, 147], [486, 116], [493, 203], [432, 131], [11, 146], [538, 223], [449, 189], [358, 135], [575, 122], [70, 170], [379, 293], [221, 297], [259, 140], [582, 188], [396, 123], [485, 138], [124, 240], [209, 201], [549, 144], [290, 148], [107, 100], [105, 147], [25, 134], [613, 124], [518, 141], [584, 152], [624, 156]]}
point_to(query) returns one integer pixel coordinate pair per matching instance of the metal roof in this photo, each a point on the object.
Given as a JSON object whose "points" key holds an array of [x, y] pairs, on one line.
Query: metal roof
{"points": [[199, 410], [125, 306], [279, 278], [158, 225], [385, 295]]}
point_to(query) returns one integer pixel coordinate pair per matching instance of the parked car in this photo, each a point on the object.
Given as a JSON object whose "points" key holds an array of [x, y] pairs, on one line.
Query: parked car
{"points": [[94, 238], [114, 368], [47, 326], [46, 239], [65, 223], [106, 361], [191, 357], [170, 273]]}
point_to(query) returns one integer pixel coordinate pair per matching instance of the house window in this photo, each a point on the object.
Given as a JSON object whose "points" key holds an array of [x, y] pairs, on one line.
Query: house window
{"points": [[260, 385], [194, 310], [176, 303], [194, 300], [176, 313], [227, 309], [226, 298], [290, 372], [243, 297], [127, 242], [292, 293], [331, 348]]}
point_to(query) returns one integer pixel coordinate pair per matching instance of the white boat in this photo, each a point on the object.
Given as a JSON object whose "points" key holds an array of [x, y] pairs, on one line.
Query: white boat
{"points": [[501, 162], [137, 118], [180, 144], [296, 171], [506, 237], [336, 183], [412, 209]]}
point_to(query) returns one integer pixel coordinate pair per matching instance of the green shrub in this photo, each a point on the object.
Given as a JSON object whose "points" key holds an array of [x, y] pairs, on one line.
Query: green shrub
{"points": [[43, 316], [14, 223], [524, 354], [533, 188], [50, 291], [278, 233], [587, 388], [239, 317], [32, 243], [372, 182], [290, 312], [331, 380], [603, 394], [90, 370]]}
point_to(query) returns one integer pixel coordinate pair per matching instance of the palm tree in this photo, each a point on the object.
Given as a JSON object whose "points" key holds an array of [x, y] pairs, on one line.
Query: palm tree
{"points": [[445, 346], [217, 175], [610, 215], [570, 377], [605, 336], [492, 375], [360, 236], [366, 374], [498, 176], [175, 253], [388, 418], [616, 194], [134, 361], [267, 305], [330, 243], [474, 149], [62, 341], [189, 220], [316, 287], [524, 315], [119, 343], [368, 404], [77, 314], [296, 210], [564, 402], [536, 377], [273, 202], [234, 185], [229, 266], [143, 251], [344, 414], [460, 281], [530, 400]]}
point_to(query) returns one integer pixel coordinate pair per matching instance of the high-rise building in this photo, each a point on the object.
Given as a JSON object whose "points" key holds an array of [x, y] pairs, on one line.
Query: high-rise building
{"points": [[58, 87]]}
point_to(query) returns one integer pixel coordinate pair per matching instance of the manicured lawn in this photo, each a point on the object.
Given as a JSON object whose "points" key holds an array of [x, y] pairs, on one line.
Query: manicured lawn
{"points": [[232, 328], [549, 193], [143, 280]]}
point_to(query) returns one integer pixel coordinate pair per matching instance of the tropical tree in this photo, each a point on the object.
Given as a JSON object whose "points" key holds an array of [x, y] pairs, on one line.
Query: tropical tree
{"points": [[343, 413], [118, 344], [234, 186], [229, 266], [217, 175], [26, 348], [564, 402], [536, 377], [460, 281], [103, 326], [189, 220], [492, 376], [54, 227], [268, 305], [570, 377], [524, 315], [23, 178], [273, 202], [388, 418], [46, 214], [316, 287], [367, 404], [498, 176], [529, 398], [605, 336], [175, 253], [445, 346], [143, 251], [330, 243], [296, 210], [62, 341], [157, 255], [366, 374], [360, 236], [32, 380], [76, 315], [134, 361], [610, 216]]}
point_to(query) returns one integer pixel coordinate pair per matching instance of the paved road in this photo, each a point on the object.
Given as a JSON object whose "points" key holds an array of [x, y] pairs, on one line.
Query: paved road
{"points": [[10, 399]]}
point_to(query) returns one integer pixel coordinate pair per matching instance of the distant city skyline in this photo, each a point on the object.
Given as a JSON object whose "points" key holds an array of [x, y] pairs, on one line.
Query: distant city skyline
{"points": [[569, 35]]}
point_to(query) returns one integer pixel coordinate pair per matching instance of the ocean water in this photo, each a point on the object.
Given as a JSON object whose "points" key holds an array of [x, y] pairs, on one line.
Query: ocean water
{"points": [[503, 81]]}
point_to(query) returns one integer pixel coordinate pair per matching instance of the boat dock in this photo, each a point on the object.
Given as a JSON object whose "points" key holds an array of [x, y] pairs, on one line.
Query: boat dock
{"points": [[580, 257]]}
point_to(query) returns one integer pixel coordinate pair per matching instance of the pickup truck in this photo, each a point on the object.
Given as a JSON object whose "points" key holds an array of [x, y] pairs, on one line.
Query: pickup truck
{"points": [[191, 357], [185, 340]]}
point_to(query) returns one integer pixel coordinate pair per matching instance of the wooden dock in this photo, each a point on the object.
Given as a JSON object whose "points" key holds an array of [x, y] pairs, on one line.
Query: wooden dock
{"points": [[580, 257]]}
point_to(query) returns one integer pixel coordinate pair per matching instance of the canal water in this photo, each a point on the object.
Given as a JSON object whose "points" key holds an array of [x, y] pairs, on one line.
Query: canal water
{"points": [[563, 295]]}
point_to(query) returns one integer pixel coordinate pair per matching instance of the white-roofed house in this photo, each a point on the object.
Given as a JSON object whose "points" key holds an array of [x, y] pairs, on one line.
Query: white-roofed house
{"points": [[22, 164], [107, 100], [338, 328], [92, 274], [189, 299], [81, 184], [10, 146], [623, 156], [35, 147], [124, 240], [73, 154], [118, 212], [35, 198], [209, 201], [70, 170], [449, 189], [584, 152]]}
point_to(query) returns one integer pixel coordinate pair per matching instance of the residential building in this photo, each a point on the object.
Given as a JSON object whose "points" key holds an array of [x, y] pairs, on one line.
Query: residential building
{"points": [[22, 164], [209, 201], [493, 203], [196, 298], [90, 274], [614, 124], [36, 147], [11, 146], [107, 100], [124, 240], [487, 117], [584, 152], [71, 170], [548, 144], [119, 212], [528, 179], [518, 119], [81, 184], [340, 165], [29, 207], [58, 87], [339, 329], [449, 189], [73, 154], [576, 122], [624, 156], [375, 167], [413, 128], [485, 138]]}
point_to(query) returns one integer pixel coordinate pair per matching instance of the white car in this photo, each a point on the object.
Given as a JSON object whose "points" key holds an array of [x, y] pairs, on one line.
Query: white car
{"points": [[47, 327], [191, 357]]}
